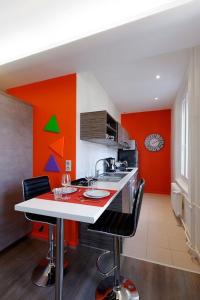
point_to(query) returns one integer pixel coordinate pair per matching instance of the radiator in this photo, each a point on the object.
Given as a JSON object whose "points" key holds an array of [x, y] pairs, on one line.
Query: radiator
{"points": [[176, 199]]}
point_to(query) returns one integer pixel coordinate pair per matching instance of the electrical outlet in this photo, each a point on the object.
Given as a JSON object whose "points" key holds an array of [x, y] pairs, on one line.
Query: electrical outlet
{"points": [[68, 165]]}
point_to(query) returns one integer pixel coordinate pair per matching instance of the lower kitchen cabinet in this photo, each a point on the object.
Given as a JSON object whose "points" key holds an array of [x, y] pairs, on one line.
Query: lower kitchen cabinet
{"points": [[94, 239], [99, 240]]}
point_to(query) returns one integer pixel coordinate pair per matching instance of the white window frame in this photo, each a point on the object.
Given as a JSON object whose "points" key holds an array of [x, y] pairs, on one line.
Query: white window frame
{"points": [[184, 139]]}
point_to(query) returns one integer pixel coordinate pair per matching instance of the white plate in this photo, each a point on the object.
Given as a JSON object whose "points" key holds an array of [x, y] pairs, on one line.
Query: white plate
{"points": [[69, 190], [96, 194]]}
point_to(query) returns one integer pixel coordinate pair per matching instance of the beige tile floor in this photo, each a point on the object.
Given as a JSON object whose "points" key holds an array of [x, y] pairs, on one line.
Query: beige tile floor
{"points": [[160, 238]]}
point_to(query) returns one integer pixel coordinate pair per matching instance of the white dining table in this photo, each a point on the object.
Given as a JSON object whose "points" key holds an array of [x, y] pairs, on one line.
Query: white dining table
{"points": [[62, 211]]}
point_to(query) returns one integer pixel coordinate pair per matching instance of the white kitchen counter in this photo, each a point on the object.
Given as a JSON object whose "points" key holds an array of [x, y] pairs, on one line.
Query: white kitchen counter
{"points": [[72, 211]]}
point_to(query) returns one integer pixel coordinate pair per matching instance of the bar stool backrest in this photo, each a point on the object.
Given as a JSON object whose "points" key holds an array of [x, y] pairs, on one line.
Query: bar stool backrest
{"points": [[137, 205], [35, 186]]}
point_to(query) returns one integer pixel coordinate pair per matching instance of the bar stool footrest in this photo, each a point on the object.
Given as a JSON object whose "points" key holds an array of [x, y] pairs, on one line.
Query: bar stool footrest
{"points": [[98, 262]]}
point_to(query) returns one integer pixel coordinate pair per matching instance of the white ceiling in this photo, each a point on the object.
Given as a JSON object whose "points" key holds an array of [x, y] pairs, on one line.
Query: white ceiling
{"points": [[125, 59], [33, 26], [134, 86]]}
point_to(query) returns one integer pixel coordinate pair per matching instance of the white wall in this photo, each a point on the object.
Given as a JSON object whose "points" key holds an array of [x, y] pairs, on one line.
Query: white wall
{"points": [[91, 97], [194, 146]]}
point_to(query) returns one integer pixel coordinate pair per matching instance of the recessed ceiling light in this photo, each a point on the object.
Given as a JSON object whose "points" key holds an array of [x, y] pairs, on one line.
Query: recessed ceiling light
{"points": [[158, 76], [156, 98]]}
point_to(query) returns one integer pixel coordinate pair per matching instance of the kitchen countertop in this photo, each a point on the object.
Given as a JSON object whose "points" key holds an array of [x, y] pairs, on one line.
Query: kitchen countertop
{"points": [[72, 211]]}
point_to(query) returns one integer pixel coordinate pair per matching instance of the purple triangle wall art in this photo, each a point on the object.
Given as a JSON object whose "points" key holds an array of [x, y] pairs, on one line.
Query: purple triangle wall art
{"points": [[51, 165]]}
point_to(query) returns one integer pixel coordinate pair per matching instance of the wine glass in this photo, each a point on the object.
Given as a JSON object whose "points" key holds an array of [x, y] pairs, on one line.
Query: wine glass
{"points": [[89, 177], [66, 181]]}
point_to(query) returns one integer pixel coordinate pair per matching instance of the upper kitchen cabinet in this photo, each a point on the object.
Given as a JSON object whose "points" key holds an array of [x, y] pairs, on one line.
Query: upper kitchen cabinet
{"points": [[98, 127]]}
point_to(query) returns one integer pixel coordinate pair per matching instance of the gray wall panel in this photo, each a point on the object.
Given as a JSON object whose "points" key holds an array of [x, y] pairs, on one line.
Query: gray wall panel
{"points": [[15, 164]]}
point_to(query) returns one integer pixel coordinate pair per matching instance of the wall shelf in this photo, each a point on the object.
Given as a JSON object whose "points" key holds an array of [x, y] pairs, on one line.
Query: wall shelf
{"points": [[111, 128]]}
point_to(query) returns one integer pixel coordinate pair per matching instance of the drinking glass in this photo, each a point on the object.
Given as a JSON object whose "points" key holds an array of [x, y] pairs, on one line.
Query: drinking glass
{"points": [[57, 193]]}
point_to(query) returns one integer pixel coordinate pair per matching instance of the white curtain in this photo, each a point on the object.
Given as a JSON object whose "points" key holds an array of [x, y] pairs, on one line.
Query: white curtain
{"points": [[194, 146]]}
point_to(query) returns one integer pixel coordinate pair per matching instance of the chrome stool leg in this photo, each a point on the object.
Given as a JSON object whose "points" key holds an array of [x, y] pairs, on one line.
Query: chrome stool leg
{"points": [[44, 274], [116, 287]]}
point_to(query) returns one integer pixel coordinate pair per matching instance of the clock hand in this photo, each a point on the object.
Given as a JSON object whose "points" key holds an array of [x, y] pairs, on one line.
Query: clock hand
{"points": [[154, 143]]}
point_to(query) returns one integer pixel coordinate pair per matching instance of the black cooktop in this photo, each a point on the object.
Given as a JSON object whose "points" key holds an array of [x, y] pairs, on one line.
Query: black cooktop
{"points": [[81, 182]]}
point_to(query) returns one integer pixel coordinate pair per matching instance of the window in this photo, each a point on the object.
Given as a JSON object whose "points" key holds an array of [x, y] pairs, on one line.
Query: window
{"points": [[184, 138]]}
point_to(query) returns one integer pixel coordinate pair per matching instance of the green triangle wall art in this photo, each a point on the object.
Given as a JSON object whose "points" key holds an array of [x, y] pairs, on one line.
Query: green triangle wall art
{"points": [[52, 125]]}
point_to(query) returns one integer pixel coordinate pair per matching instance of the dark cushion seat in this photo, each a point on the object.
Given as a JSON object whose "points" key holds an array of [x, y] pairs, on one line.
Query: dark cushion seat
{"points": [[115, 223], [121, 224]]}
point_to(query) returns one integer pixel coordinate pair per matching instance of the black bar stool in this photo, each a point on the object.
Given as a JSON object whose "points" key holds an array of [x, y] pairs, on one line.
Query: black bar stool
{"points": [[44, 274], [119, 225]]}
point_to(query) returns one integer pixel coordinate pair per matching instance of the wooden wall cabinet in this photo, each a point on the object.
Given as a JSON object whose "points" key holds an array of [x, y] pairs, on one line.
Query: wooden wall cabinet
{"points": [[98, 127]]}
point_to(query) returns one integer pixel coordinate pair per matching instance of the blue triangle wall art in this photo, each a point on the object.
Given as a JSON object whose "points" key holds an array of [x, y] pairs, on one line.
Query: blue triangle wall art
{"points": [[51, 165]]}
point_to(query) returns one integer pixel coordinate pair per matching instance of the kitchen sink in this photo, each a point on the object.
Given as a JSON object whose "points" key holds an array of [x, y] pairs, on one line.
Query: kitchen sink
{"points": [[111, 177]]}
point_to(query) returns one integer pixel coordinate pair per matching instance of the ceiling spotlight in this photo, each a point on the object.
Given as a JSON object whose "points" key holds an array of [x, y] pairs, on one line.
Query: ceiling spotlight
{"points": [[156, 98], [158, 76]]}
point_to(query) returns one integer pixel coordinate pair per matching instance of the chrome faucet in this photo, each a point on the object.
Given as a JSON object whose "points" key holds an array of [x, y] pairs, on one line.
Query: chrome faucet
{"points": [[97, 171]]}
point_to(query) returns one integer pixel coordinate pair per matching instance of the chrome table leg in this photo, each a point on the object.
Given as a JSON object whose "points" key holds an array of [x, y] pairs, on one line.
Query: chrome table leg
{"points": [[59, 258]]}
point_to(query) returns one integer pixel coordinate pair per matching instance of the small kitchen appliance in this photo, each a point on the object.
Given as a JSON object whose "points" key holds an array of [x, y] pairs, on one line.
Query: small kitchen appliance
{"points": [[111, 167], [129, 155]]}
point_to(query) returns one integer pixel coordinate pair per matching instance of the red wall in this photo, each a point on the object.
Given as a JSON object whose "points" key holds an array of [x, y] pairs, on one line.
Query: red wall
{"points": [[155, 167], [54, 96]]}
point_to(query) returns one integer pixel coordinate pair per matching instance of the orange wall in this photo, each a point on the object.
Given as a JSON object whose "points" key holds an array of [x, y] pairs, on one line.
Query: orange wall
{"points": [[154, 166], [54, 96]]}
